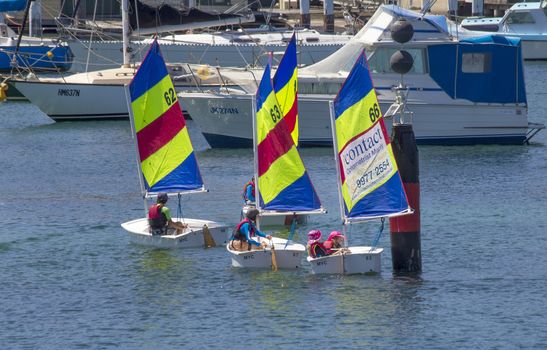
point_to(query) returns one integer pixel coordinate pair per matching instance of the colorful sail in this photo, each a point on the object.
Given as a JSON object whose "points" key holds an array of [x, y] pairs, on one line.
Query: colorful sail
{"points": [[283, 182], [285, 83], [166, 155], [369, 179], [12, 5]]}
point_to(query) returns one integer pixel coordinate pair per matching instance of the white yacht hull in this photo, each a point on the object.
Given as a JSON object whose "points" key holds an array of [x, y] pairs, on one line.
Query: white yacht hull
{"points": [[225, 120], [63, 101], [286, 258], [359, 260], [191, 237], [75, 101]]}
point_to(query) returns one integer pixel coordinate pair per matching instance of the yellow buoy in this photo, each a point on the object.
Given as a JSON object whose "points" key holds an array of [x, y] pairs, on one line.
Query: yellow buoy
{"points": [[3, 89], [49, 54]]}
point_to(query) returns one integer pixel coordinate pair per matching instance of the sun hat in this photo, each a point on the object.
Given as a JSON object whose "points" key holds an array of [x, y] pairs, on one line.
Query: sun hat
{"points": [[314, 235], [334, 234]]}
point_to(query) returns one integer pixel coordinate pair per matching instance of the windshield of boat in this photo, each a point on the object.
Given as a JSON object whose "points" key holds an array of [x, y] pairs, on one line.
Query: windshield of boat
{"points": [[520, 17], [378, 60]]}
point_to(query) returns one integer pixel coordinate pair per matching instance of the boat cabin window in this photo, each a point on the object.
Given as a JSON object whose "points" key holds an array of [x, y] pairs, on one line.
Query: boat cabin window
{"points": [[312, 40], [319, 88], [520, 18], [245, 40], [3, 30], [378, 60], [476, 62]]}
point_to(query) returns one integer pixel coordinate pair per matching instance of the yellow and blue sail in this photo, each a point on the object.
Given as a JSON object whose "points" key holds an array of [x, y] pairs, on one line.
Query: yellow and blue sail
{"points": [[167, 159], [285, 83], [283, 182], [369, 179]]}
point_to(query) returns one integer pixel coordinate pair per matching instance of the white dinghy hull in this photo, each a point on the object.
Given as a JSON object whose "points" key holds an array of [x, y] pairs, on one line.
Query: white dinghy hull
{"points": [[286, 258], [360, 260], [191, 237]]}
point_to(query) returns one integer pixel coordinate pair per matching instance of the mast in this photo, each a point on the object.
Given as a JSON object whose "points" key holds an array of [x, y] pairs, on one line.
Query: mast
{"points": [[255, 152], [337, 160], [125, 32], [134, 137]]}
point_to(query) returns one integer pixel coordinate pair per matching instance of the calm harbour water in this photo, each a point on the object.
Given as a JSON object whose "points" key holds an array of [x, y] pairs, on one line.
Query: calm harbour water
{"points": [[70, 279]]}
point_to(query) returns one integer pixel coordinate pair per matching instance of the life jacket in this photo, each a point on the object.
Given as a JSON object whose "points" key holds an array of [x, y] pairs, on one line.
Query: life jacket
{"points": [[317, 250], [156, 219], [239, 235], [245, 190]]}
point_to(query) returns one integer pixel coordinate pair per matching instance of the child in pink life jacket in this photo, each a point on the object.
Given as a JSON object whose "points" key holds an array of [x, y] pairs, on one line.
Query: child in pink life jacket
{"points": [[335, 244], [315, 247]]}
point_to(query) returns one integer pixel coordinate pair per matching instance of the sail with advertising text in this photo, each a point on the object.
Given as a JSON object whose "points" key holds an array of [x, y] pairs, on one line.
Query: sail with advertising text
{"points": [[283, 182], [167, 159], [285, 83], [370, 184]]}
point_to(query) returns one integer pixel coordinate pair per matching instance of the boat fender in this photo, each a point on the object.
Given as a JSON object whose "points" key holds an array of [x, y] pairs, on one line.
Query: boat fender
{"points": [[3, 89]]}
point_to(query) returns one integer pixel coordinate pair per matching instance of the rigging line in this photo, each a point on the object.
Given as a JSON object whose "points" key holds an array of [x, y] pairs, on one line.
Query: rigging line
{"points": [[291, 233], [136, 10], [378, 235], [179, 208], [20, 36], [91, 39]]}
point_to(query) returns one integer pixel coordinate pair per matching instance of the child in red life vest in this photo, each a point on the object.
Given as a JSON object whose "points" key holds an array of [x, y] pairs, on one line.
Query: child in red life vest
{"points": [[242, 238], [159, 218], [249, 191]]}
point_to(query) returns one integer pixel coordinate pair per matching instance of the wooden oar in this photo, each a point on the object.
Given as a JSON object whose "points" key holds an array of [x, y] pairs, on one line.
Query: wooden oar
{"points": [[274, 258], [208, 238]]}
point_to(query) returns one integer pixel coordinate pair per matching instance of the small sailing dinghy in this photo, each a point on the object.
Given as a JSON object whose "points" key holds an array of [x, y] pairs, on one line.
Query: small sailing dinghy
{"points": [[283, 187], [285, 86], [369, 184], [166, 158]]}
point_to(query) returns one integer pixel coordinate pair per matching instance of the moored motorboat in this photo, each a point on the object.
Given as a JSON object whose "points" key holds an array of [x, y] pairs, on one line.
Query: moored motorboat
{"points": [[469, 91], [27, 52], [524, 20]]}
